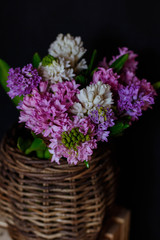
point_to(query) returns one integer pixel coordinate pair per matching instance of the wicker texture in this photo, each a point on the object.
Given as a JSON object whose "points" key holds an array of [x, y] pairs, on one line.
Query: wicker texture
{"points": [[42, 200]]}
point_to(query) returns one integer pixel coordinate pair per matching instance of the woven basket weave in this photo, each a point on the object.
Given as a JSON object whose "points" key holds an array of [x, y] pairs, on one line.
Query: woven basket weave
{"points": [[42, 200]]}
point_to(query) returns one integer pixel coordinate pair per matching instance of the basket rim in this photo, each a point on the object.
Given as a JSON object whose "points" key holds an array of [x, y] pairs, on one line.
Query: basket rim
{"points": [[6, 145], [19, 162]]}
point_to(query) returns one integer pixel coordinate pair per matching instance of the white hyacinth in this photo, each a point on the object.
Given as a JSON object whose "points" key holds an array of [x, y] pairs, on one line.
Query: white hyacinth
{"points": [[92, 96], [57, 71], [69, 48]]}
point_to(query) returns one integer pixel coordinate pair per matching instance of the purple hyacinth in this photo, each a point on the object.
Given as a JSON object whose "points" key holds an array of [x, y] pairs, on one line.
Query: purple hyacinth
{"points": [[103, 118], [22, 81], [135, 98]]}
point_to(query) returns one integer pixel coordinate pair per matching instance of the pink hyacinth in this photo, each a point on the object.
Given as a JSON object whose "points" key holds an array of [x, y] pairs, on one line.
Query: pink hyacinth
{"points": [[131, 63], [107, 77], [77, 153], [66, 92], [45, 112], [103, 63]]}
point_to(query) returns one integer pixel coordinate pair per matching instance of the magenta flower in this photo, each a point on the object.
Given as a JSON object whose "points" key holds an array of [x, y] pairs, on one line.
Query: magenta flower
{"points": [[22, 81]]}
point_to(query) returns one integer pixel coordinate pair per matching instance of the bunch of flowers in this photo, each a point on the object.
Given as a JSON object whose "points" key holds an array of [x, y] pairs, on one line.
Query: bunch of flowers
{"points": [[71, 107]]}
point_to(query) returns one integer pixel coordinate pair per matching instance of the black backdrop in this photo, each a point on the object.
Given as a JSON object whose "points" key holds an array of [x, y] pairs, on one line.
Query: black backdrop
{"points": [[29, 26]]}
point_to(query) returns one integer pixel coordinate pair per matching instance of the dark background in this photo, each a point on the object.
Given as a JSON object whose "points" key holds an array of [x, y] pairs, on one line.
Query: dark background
{"points": [[30, 26]]}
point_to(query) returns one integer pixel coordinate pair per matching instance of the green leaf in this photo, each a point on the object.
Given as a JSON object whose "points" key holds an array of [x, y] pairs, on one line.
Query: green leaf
{"points": [[23, 144], [40, 153], [80, 79], [17, 100], [47, 60], [118, 64], [118, 128], [93, 57], [47, 154], [36, 60], [156, 85], [35, 135], [86, 163], [93, 71], [37, 144], [4, 69]]}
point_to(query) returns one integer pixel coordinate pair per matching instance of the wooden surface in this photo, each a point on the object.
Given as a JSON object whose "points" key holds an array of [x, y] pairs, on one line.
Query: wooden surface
{"points": [[116, 228]]}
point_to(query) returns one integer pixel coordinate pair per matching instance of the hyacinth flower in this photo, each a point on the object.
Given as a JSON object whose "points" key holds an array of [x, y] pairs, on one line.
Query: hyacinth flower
{"points": [[135, 98], [92, 96], [103, 118], [76, 141], [131, 63], [72, 106], [128, 67], [22, 81], [107, 76], [71, 49], [54, 70], [44, 111]]}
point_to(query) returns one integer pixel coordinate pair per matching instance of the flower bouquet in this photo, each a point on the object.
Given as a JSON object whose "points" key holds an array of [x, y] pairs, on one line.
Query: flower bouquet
{"points": [[68, 111]]}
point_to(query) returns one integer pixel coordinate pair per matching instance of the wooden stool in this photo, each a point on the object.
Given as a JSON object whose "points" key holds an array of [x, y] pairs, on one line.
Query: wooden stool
{"points": [[3, 230], [117, 227]]}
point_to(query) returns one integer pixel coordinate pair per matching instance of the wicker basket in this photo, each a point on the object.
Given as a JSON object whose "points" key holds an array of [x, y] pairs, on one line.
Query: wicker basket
{"points": [[42, 200]]}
